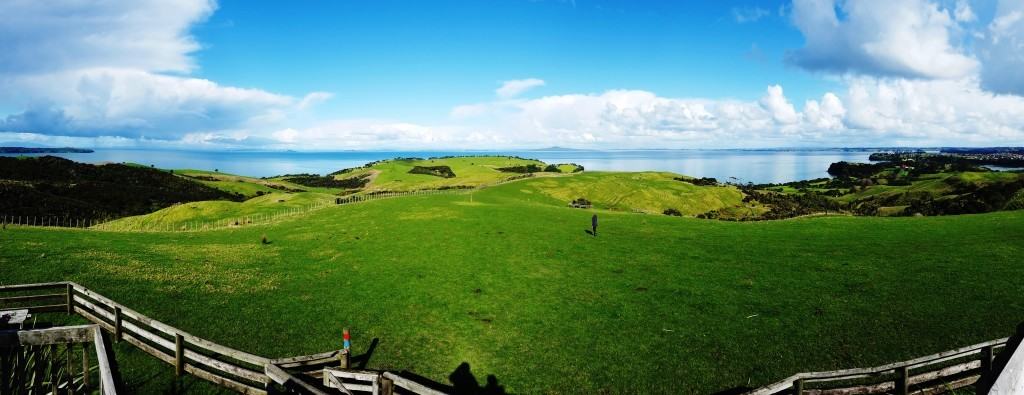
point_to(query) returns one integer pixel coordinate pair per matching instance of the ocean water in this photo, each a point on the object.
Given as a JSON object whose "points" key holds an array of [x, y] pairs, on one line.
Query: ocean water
{"points": [[757, 166]]}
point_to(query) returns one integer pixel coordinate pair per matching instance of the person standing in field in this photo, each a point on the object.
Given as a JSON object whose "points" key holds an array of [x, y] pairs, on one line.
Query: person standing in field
{"points": [[593, 224]]}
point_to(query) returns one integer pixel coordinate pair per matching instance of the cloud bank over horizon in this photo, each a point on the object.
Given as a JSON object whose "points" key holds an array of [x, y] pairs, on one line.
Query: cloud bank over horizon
{"points": [[913, 73]]}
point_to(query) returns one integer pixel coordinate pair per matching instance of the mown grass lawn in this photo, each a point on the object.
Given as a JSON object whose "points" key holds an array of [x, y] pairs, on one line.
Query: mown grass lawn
{"points": [[513, 285]]}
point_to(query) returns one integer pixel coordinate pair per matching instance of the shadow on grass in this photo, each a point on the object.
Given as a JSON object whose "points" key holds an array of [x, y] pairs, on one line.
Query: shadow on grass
{"points": [[463, 382], [734, 391], [360, 361], [590, 232]]}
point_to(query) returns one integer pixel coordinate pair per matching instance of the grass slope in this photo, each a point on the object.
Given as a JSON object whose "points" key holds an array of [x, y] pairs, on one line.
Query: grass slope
{"points": [[187, 214], [512, 285], [650, 192]]}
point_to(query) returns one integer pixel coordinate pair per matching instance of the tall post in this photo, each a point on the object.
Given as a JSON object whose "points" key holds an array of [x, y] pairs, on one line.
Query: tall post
{"points": [[982, 385], [179, 355], [117, 324], [53, 368], [902, 381], [346, 346], [387, 386], [798, 387], [70, 298]]}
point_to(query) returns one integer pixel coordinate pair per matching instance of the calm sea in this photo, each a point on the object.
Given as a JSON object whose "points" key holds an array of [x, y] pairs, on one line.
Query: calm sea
{"points": [[757, 166]]}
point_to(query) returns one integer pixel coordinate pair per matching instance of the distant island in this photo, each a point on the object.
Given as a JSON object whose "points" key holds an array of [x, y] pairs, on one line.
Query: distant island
{"points": [[44, 150]]}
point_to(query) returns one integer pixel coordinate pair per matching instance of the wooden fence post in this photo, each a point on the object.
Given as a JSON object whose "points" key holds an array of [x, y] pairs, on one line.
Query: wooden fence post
{"points": [[53, 368], [982, 385], [85, 366], [902, 380], [179, 355], [387, 386], [71, 298], [69, 349], [117, 324], [798, 386]]}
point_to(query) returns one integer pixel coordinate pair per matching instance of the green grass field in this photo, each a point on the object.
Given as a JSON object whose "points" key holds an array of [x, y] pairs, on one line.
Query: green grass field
{"points": [[511, 283]]}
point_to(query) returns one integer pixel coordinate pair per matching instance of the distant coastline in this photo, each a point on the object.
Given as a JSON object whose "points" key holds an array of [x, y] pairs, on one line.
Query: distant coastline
{"points": [[44, 150]]}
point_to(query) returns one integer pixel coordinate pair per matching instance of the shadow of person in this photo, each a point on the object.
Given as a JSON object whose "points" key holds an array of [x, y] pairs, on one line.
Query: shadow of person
{"points": [[464, 383], [589, 232]]}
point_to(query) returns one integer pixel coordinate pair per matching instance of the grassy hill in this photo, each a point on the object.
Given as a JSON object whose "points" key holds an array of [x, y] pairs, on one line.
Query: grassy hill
{"points": [[510, 283], [52, 186], [187, 215], [649, 192], [394, 175]]}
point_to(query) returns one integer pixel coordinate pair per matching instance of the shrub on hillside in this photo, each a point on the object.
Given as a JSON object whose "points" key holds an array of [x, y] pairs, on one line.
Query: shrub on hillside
{"points": [[703, 181], [672, 212], [530, 168], [581, 202], [437, 171], [312, 180]]}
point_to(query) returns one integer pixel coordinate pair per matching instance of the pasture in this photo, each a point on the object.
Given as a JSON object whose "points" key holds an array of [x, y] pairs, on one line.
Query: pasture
{"points": [[508, 281]]}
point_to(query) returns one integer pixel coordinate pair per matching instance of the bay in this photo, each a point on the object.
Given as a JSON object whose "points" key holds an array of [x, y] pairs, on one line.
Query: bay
{"points": [[757, 166]]}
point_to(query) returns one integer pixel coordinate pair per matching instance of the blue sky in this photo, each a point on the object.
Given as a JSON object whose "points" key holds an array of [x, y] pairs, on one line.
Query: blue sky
{"points": [[376, 54], [348, 74]]}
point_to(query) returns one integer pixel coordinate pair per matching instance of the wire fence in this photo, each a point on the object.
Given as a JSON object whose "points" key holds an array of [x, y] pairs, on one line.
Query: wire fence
{"points": [[155, 225]]}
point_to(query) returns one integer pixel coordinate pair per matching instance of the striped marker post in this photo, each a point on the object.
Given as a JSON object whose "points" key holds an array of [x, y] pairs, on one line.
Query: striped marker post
{"points": [[346, 344]]}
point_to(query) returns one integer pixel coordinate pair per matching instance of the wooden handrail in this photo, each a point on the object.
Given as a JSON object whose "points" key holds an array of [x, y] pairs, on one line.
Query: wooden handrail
{"points": [[916, 363], [154, 337]]}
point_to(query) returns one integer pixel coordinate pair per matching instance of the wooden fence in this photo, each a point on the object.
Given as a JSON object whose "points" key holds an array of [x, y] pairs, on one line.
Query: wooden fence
{"points": [[31, 361], [227, 367], [930, 374]]}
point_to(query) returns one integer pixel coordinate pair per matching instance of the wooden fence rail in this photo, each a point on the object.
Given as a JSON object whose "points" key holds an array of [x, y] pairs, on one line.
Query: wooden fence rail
{"points": [[227, 367], [930, 374], [30, 361]]}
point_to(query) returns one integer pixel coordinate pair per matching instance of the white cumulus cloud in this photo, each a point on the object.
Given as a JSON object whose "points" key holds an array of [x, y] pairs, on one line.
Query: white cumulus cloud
{"points": [[906, 38], [120, 68], [515, 88], [1003, 49]]}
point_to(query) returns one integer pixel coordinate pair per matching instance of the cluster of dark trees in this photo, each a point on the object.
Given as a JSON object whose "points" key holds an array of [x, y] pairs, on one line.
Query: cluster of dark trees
{"points": [[437, 171], [703, 181], [52, 186], [201, 177], [856, 170], [317, 181], [530, 168], [534, 168], [581, 202], [969, 198], [672, 212], [284, 188], [785, 205]]}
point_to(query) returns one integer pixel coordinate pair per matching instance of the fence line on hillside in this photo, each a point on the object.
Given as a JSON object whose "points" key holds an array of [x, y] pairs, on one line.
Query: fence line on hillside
{"points": [[235, 222], [224, 366], [936, 373]]}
